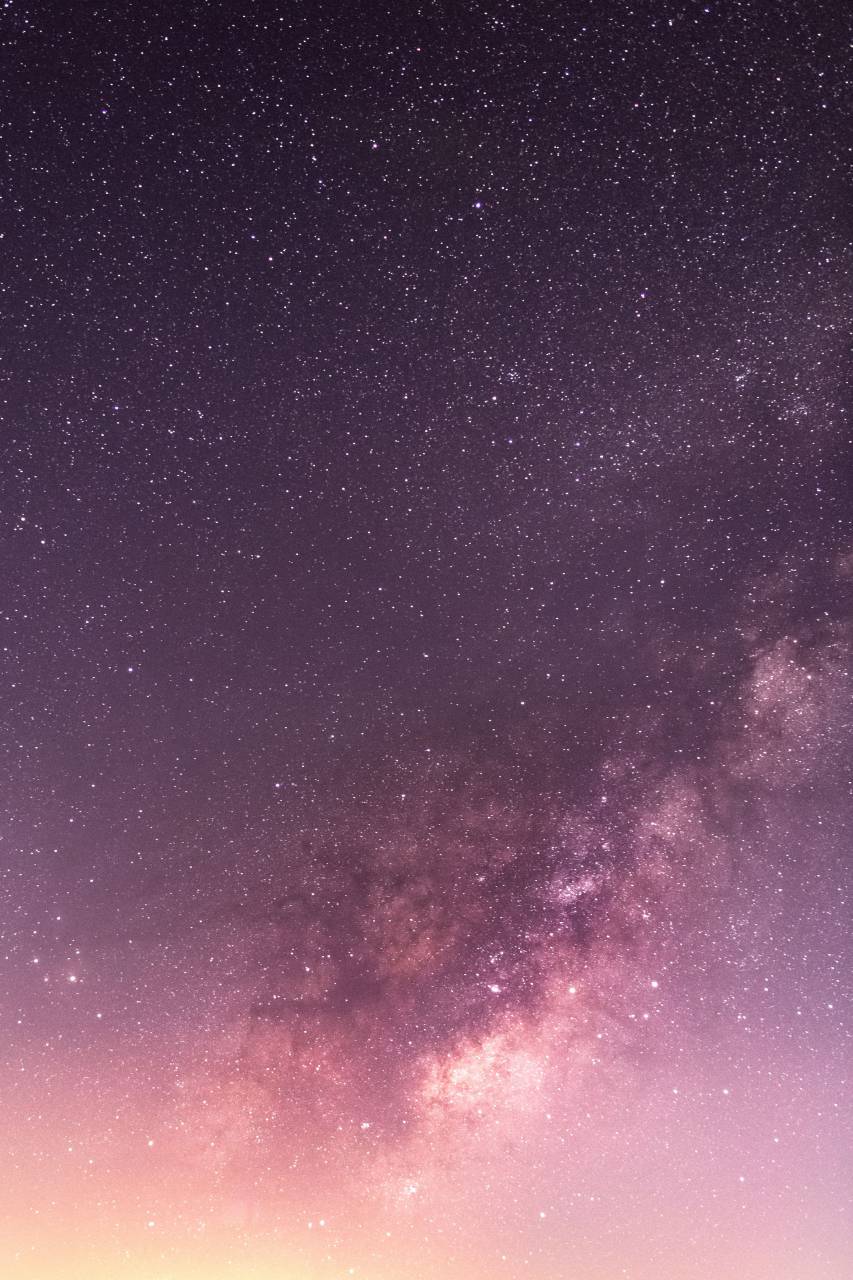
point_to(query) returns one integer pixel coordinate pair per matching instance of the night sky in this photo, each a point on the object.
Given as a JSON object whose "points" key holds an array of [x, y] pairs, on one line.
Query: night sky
{"points": [[426, 604]]}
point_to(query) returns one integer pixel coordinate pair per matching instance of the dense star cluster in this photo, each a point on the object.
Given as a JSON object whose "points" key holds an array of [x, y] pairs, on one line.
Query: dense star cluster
{"points": [[426, 617]]}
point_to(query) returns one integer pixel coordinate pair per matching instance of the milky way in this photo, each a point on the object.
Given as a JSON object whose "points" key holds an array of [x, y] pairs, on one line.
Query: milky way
{"points": [[427, 604]]}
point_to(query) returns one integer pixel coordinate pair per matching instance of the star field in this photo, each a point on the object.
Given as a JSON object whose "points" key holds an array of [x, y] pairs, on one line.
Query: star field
{"points": [[426, 605]]}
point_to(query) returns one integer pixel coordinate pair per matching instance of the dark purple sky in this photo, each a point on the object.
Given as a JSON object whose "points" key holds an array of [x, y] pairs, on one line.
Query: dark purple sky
{"points": [[425, 614]]}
